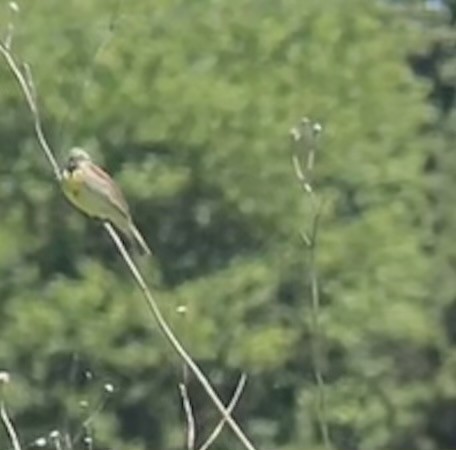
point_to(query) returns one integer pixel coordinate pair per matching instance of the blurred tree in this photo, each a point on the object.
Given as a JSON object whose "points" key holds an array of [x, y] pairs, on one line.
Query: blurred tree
{"points": [[436, 62], [188, 104]]}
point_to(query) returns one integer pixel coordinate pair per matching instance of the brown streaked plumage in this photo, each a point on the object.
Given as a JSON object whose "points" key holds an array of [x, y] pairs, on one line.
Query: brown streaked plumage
{"points": [[95, 193]]}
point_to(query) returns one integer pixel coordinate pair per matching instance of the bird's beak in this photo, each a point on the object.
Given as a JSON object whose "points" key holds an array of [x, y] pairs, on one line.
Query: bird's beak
{"points": [[71, 165]]}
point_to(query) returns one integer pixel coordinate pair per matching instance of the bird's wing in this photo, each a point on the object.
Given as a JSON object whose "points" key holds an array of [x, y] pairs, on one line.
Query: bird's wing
{"points": [[100, 183]]}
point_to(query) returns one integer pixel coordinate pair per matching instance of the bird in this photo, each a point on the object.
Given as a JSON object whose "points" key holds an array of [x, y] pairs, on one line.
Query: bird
{"points": [[88, 187]]}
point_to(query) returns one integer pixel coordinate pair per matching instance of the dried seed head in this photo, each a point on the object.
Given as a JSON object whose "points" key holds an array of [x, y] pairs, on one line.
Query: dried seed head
{"points": [[14, 7], [181, 309], [4, 377], [40, 442], [54, 434]]}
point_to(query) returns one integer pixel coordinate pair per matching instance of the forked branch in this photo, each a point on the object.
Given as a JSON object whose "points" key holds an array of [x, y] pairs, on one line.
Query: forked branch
{"points": [[25, 80]]}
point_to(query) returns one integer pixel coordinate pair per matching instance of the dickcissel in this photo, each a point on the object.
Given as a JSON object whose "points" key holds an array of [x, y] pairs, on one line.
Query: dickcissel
{"points": [[95, 193]]}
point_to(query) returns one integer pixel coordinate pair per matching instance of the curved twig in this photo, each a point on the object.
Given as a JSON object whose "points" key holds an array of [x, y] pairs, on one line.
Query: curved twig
{"points": [[26, 83], [7, 422], [217, 430], [9, 427], [190, 440], [155, 311]]}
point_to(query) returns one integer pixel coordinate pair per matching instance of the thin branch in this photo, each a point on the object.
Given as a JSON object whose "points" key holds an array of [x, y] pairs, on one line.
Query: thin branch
{"points": [[190, 430], [9, 427], [13, 11], [55, 438], [299, 172], [155, 311], [190, 440], [7, 422], [27, 86], [217, 430], [316, 324], [88, 420], [306, 134]]}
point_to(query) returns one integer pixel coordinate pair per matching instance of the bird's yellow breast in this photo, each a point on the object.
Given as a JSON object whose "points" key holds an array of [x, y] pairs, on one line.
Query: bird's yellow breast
{"points": [[72, 185]]}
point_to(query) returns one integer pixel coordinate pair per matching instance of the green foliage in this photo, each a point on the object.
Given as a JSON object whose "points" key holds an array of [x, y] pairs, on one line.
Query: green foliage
{"points": [[189, 104]]}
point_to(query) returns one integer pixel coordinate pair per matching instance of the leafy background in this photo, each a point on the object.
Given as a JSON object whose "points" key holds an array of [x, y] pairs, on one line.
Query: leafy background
{"points": [[188, 104]]}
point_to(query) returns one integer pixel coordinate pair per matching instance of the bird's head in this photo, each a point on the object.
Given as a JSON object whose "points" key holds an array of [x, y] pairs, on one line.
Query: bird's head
{"points": [[76, 156]]}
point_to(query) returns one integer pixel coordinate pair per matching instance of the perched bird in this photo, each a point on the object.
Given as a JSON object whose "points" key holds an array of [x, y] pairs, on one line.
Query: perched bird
{"points": [[95, 193]]}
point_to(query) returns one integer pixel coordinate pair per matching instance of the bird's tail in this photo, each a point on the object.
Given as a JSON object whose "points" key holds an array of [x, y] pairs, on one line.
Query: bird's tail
{"points": [[139, 239]]}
